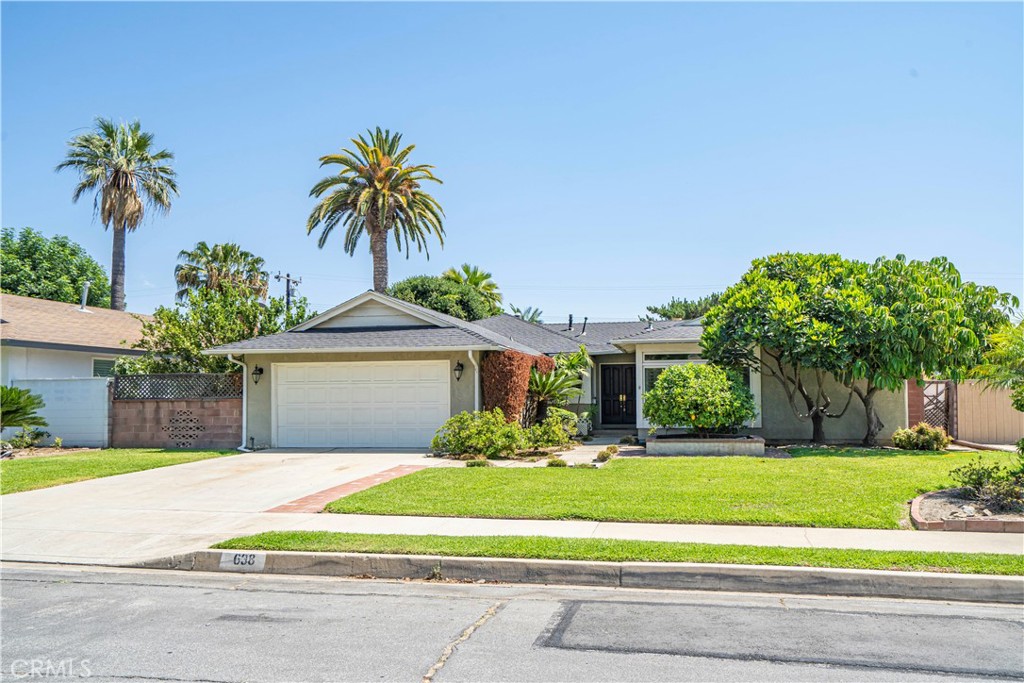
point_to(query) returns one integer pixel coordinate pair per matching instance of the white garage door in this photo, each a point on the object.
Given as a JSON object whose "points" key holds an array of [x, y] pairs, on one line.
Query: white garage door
{"points": [[398, 404]]}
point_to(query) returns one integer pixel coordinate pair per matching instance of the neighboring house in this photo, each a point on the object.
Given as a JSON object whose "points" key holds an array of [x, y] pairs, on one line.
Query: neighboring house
{"points": [[41, 339], [64, 353], [376, 371]]}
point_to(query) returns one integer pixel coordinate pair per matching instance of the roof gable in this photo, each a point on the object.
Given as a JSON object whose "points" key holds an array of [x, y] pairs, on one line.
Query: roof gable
{"points": [[371, 314]]}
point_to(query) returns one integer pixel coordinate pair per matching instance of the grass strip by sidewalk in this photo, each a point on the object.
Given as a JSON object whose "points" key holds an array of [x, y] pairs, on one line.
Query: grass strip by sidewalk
{"points": [[27, 474], [609, 550]]}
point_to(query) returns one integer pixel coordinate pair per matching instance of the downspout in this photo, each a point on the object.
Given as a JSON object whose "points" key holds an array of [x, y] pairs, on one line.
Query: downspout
{"points": [[245, 401], [476, 381]]}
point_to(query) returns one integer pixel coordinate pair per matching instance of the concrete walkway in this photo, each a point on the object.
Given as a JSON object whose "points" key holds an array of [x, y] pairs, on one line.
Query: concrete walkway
{"points": [[157, 513]]}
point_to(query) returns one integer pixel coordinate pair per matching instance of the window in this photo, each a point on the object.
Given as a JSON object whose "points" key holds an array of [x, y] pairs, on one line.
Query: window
{"points": [[651, 376], [102, 367], [671, 356]]}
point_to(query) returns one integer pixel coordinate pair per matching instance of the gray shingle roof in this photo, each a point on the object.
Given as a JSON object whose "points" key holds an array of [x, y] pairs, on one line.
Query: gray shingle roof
{"points": [[354, 339], [598, 337], [680, 330], [536, 336]]}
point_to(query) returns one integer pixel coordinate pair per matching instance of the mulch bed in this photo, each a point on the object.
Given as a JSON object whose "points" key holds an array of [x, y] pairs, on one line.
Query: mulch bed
{"points": [[946, 504], [21, 453]]}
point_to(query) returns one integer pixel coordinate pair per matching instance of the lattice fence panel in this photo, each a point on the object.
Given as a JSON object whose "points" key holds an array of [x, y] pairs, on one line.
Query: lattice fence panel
{"points": [[181, 386], [936, 404]]}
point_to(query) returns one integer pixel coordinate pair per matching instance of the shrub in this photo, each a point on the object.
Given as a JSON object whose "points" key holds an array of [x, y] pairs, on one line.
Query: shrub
{"points": [[557, 462], [478, 463], [604, 455], [485, 433], [20, 408], [58, 443], [505, 378], [705, 398], [922, 437], [28, 437], [557, 430], [629, 440], [613, 449], [994, 486]]}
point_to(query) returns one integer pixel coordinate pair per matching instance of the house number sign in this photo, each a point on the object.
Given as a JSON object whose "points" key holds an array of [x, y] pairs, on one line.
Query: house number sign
{"points": [[243, 562]]}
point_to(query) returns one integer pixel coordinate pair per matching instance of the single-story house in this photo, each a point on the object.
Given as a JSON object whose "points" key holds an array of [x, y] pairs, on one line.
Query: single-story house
{"points": [[65, 353], [376, 371], [42, 339]]}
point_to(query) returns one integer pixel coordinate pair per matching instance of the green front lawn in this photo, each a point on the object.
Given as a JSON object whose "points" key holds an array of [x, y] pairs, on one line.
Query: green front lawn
{"points": [[819, 487], [25, 474], [625, 551]]}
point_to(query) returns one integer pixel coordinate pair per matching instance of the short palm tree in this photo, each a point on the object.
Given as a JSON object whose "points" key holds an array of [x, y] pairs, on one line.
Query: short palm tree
{"points": [[20, 408], [119, 163], [376, 192], [529, 314], [478, 279], [206, 267], [557, 387]]}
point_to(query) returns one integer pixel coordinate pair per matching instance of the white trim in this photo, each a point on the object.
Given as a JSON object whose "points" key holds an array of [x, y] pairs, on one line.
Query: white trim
{"points": [[360, 349], [476, 380], [274, 381]]}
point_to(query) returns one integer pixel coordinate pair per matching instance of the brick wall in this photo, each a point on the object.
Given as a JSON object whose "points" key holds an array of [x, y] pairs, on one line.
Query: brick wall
{"points": [[197, 423], [915, 403]]}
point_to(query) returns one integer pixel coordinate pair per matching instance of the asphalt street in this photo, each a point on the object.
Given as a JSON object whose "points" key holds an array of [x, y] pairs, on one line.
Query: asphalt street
{"points": [[120, 624]]}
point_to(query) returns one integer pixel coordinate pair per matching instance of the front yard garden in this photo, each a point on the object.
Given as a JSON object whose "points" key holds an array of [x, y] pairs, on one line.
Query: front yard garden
{"points": [[626, 551], [852, 488], [26, 474]]}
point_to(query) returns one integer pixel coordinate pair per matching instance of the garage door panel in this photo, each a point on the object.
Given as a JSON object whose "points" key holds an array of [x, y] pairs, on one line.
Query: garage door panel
{"points": [[361, 404]]}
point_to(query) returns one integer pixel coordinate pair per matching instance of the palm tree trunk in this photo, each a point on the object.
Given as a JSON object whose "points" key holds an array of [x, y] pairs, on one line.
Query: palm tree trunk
{"points": [[117, 269], [379, 251]]}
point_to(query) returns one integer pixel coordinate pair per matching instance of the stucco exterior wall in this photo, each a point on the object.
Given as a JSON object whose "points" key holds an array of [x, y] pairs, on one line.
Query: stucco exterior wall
{"points": [[780, 423], [20, 362], [258, 396]]}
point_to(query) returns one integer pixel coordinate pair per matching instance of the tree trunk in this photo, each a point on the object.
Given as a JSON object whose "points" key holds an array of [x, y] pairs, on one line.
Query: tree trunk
{"points": [[818, 420], [542, 412], [379, 251], [875, 424], [117, 269]]}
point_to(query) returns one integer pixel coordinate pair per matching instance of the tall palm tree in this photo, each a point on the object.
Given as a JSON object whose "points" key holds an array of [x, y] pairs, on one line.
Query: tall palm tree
{"points": [[478, 279], [206, 267], [376, 192], [119, 163]]}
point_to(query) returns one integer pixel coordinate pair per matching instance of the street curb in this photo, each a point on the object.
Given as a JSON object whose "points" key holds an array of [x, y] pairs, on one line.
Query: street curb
{"points": [[659, 575]]}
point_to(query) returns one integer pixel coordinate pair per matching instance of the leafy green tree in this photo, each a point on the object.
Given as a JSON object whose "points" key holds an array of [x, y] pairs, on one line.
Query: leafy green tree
{"points": [[222, 264], [1003, 362], [479, 280], [529, 314], [20, 408], [118, 163], [923, 320], [703, 397], [377, 192], [685, 309], [175, 338], [803, 311], [442, 295], [50, 268]]}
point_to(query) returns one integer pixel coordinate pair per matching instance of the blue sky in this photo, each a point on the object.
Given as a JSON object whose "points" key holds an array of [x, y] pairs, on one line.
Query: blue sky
{"points": [[597, 158]]}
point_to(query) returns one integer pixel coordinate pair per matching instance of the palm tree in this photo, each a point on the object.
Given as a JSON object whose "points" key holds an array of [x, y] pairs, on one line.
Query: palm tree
{"points": [[478, 279], [206, 267], [552, 388], [529, 314], [118, 162], [377, 192]]}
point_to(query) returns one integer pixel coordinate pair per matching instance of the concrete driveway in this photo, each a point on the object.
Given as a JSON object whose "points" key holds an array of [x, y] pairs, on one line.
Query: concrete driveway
{"points": [[155, 513]]}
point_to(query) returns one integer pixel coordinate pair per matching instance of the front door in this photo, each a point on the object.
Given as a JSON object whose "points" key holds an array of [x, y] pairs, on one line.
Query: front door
{"points": [[618, 394]]}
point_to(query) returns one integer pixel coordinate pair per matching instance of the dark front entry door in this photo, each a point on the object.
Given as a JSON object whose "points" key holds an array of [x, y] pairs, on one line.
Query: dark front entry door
{"points": [[618, 394]]}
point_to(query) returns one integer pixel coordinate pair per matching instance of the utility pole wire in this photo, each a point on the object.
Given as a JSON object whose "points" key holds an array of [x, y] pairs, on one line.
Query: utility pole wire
{"points": [[288, 282]]}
